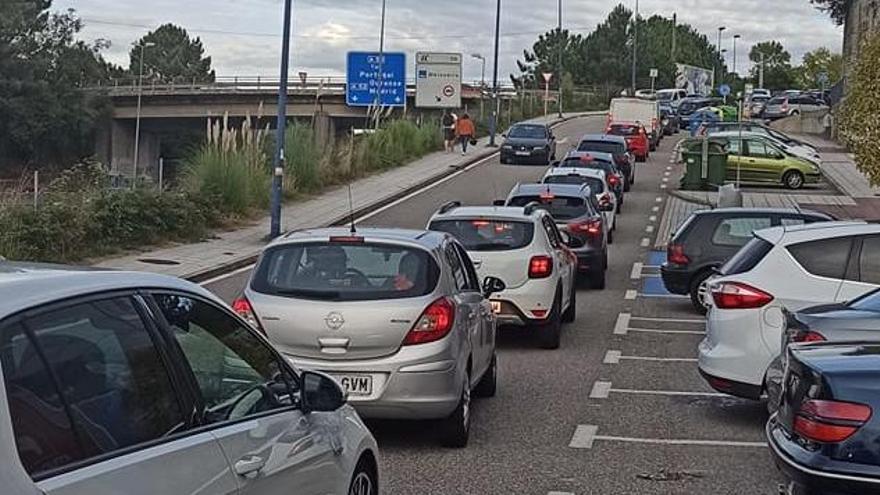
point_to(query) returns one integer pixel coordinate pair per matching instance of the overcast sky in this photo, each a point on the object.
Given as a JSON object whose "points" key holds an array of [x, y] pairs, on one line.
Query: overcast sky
{"points": [[242, 36]]}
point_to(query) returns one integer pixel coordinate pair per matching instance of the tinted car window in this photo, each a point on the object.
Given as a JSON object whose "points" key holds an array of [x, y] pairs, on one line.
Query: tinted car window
{"points": [[559, 207], [869, 262], [748, 257], [602, 147], [823, 258], [528, 132], [596, 185], [469, 271], [346, 271], [114, 389], [236, 373], [778, 100], [738, 231], [458, 274], [488, 235]]}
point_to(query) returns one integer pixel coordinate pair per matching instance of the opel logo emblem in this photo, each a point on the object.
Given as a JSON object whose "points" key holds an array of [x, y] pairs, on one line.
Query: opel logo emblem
{"points": [[334, 321]]}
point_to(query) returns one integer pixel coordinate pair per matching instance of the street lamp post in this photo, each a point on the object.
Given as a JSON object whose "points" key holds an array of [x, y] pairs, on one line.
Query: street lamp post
{"points": [[493, 115], [281, 127], [137, 120], [635, 45], [482, 59], [735, 37], [720, 30], [378, 100], [562, 43]]}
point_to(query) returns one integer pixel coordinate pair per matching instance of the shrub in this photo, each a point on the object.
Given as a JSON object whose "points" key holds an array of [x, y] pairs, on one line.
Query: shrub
{"points": [[860, 115]]}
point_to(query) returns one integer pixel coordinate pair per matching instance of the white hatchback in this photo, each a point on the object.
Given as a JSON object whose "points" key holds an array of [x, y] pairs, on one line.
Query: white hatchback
{"points": [[524, 248], [781, 268]]}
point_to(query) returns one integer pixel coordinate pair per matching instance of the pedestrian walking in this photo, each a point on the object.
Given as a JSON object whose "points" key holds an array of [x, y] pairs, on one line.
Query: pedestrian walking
{"points": [[465, 131], [448, 124]]}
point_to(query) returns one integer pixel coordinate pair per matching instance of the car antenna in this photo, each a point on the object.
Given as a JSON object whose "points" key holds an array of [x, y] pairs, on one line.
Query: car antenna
{"points": [[351, 209]]}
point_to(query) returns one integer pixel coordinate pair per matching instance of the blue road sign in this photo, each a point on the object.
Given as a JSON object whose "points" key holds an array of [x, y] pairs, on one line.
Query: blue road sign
{"points": [[363, 80], [724, 90]]}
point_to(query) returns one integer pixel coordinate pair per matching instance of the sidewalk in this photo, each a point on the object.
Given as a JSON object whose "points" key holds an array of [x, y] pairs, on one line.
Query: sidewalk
{"points": [[840, 168], [229, 250]]}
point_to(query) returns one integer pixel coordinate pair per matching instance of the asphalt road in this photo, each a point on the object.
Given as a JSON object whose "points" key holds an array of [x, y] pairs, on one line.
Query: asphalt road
{"points": [[543, 432]]}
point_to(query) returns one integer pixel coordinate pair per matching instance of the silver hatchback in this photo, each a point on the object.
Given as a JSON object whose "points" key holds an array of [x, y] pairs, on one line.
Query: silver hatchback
{"points": [[399, 317]]}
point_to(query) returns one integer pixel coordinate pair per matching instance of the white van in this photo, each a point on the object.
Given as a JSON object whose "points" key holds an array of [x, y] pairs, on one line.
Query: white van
{"points": [[645, 112], [671, 96]]}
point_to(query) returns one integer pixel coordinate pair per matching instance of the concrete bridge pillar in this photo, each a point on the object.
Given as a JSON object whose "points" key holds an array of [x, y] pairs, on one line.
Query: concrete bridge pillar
{"points": [[115, 148]]}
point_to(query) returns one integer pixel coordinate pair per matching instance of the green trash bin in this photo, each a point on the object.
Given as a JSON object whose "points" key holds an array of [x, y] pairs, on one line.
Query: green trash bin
{"points": [[694, 151]]}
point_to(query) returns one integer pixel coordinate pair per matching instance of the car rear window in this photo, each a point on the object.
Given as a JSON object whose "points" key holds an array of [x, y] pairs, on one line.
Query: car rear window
{"points": [[559, 207], [595, 184], [346, 271], [823, 258], [748, 257], [602, 147], [738, 231], [778, 100], [488, 235], [623, 130]]}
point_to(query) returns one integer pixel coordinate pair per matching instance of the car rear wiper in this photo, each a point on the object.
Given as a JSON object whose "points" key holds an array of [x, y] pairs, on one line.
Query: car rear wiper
{"points": [[313, 293]]}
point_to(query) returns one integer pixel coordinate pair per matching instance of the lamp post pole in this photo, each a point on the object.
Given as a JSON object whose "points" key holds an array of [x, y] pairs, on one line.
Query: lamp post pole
{"points": [[635, 45], [137, 120], [493, 115], [718, 77], [281, 127], [735, 37], [562, 42]]}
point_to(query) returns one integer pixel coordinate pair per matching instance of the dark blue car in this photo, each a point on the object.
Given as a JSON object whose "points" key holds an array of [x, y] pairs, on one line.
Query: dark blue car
{"points": [[825, 436]]}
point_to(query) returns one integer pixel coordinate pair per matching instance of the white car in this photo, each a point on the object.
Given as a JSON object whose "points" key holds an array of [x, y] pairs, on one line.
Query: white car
{"points": [[798, 151], [781, 268], [596, 179], [523, 247]]}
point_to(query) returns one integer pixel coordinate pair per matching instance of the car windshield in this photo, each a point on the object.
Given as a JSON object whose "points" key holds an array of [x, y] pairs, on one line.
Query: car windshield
{"points": [[488, 235], [602, 147], [595, 184], [528, 132], [560, 207], [868, 302], [345, 271]]}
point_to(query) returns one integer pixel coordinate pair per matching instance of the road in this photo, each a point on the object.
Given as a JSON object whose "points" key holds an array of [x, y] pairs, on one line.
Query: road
{"points": [[585, 419]]}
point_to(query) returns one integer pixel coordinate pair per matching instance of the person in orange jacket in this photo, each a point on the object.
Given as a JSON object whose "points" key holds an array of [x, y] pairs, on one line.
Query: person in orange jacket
{"points": [[465, 131]]}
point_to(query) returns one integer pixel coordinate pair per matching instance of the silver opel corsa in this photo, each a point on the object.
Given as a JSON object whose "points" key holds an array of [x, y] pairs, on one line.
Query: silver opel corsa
{"points": [[398, 317]]}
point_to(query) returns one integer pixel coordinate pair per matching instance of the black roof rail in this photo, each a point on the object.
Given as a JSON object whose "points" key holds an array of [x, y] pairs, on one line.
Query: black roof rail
{"points": [[531, 207], [446, 208]]}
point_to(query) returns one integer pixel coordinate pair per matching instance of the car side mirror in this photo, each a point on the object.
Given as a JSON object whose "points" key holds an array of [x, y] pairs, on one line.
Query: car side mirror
{"points": [[606, 207], [493, 285], [555, 164], [499, 202], [320, 393]]}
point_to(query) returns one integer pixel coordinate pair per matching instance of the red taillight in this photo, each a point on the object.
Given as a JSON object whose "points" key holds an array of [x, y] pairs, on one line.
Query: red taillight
{"points": [[347, 239], [590, 227], [808, 336], [243, 308], [613, 180], [829, 421], [540, 266], [436, 321], [675, 254], [736, 295], [642, 131]]}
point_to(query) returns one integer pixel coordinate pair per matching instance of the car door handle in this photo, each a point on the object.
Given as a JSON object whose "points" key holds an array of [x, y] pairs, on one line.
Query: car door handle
{"points": [[477, 263], [249, 466]]}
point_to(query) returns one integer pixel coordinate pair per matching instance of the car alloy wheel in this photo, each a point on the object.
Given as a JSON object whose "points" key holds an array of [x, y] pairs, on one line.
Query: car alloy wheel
{"points": [[793, 179], [700, 292], [364, 480], [458, 424]]}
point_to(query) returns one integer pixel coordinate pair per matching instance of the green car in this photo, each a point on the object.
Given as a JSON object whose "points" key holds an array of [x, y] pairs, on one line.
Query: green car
{"points": [[760, 159]]}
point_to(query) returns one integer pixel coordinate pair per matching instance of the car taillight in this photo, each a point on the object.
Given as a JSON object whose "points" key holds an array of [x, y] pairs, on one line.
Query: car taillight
{"points": [[590, 227], [736, 295], [243, 308], [436, 321], [642, 131], [540, 266], [808, 336], [675, 254], [654, 123], [613, 180], [829, 421]]}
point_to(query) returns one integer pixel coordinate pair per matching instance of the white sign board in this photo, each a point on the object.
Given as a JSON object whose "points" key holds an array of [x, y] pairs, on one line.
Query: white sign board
{"points": [[547, 76], [438, 80], [654, 72]]}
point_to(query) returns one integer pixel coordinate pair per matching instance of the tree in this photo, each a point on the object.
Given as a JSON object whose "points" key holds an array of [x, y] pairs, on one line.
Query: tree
{"points": [[817, 62], [46, 117], [837, 9], [778, 72], [175, 57], [860, 115], [544, 58]]}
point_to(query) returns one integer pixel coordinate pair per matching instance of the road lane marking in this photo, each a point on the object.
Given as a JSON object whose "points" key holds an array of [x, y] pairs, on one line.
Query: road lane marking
{"points": [[600, 390], [667, 173], [662, 186], [659, 199], [622, 324], [583, 437], [649, 229], [655, 359], [670, 332], [646, 242], [666, 179], [669, 167], [611, 357], [655, 209], [636, 272], [670, 320], [560, 493], [586, 435], [667, 296], [652, 218], [630, 295]]}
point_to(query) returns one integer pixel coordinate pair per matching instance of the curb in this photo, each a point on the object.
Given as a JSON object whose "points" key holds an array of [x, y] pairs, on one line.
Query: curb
{"points": [[243, 261], [678, 194]]}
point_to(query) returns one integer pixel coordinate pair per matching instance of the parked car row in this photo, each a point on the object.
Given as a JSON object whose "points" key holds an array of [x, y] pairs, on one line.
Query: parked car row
{"points": [[793, 318]]}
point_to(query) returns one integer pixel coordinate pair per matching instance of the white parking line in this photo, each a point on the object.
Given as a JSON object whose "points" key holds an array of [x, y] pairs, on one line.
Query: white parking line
{"points": [[654, 359], [630, 295], [665, 296], [668, 393], [560, 493], [611, 357], [622, 324], [670, 332], [649, 229], [670, 320], [636, 272], [600, 390], [646, 242], [586, 435]]}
